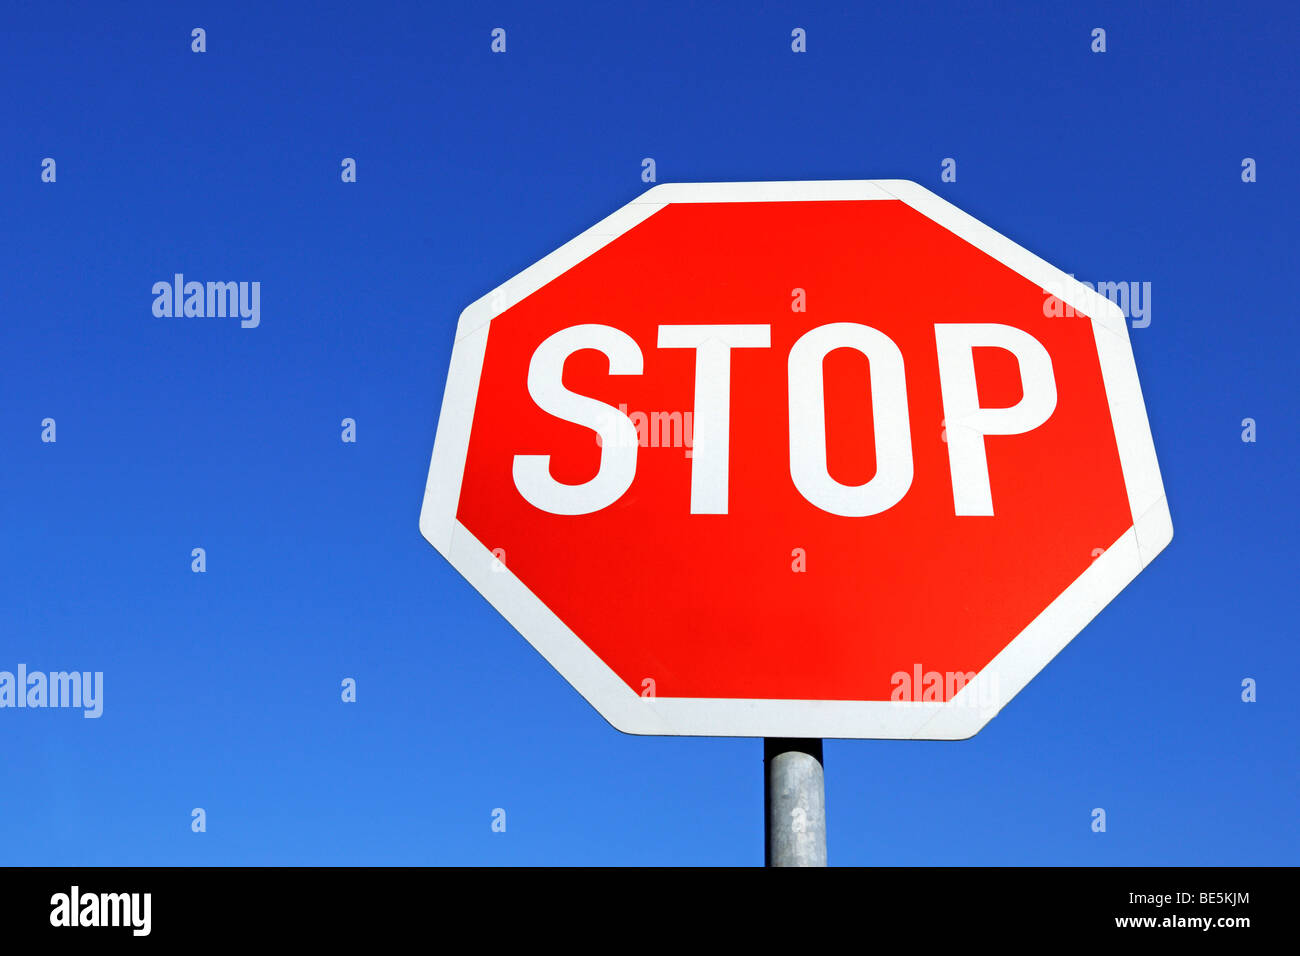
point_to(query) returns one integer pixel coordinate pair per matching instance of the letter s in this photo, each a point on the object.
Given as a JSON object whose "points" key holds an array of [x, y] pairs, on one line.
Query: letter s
{"points": [[617, 434]]}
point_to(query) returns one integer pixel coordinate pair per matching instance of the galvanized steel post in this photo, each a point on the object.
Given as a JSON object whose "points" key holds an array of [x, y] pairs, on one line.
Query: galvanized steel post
{"points": [[794, 801]]}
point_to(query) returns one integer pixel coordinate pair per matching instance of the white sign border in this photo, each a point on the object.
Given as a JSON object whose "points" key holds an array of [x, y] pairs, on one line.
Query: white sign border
{"points": [[956, 719]]}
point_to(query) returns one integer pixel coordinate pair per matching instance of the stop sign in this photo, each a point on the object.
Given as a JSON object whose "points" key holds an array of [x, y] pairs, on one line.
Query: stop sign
{"points": [[806, 459]]}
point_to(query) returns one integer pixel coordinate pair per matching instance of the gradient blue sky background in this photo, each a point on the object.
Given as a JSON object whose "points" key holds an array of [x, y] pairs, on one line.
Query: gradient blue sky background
{"points": [[222, 689]]}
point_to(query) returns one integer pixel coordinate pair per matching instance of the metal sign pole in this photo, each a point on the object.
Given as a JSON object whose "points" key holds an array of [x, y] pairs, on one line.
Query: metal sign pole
{"points": [[794, 800]]}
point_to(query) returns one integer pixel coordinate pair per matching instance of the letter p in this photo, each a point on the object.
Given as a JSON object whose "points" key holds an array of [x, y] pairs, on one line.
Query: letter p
{"points": [[967, 422]]}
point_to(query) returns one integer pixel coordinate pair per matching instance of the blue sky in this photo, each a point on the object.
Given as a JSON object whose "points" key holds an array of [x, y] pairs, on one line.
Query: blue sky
{"points": [[222, 688]]}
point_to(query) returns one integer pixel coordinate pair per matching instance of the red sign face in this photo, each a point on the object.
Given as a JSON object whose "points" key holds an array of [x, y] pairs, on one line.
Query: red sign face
{"points": [[795, 459]]}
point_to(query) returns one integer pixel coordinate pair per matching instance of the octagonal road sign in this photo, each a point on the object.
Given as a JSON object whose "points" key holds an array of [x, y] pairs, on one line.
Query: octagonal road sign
{"points": [[801, 459]]}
